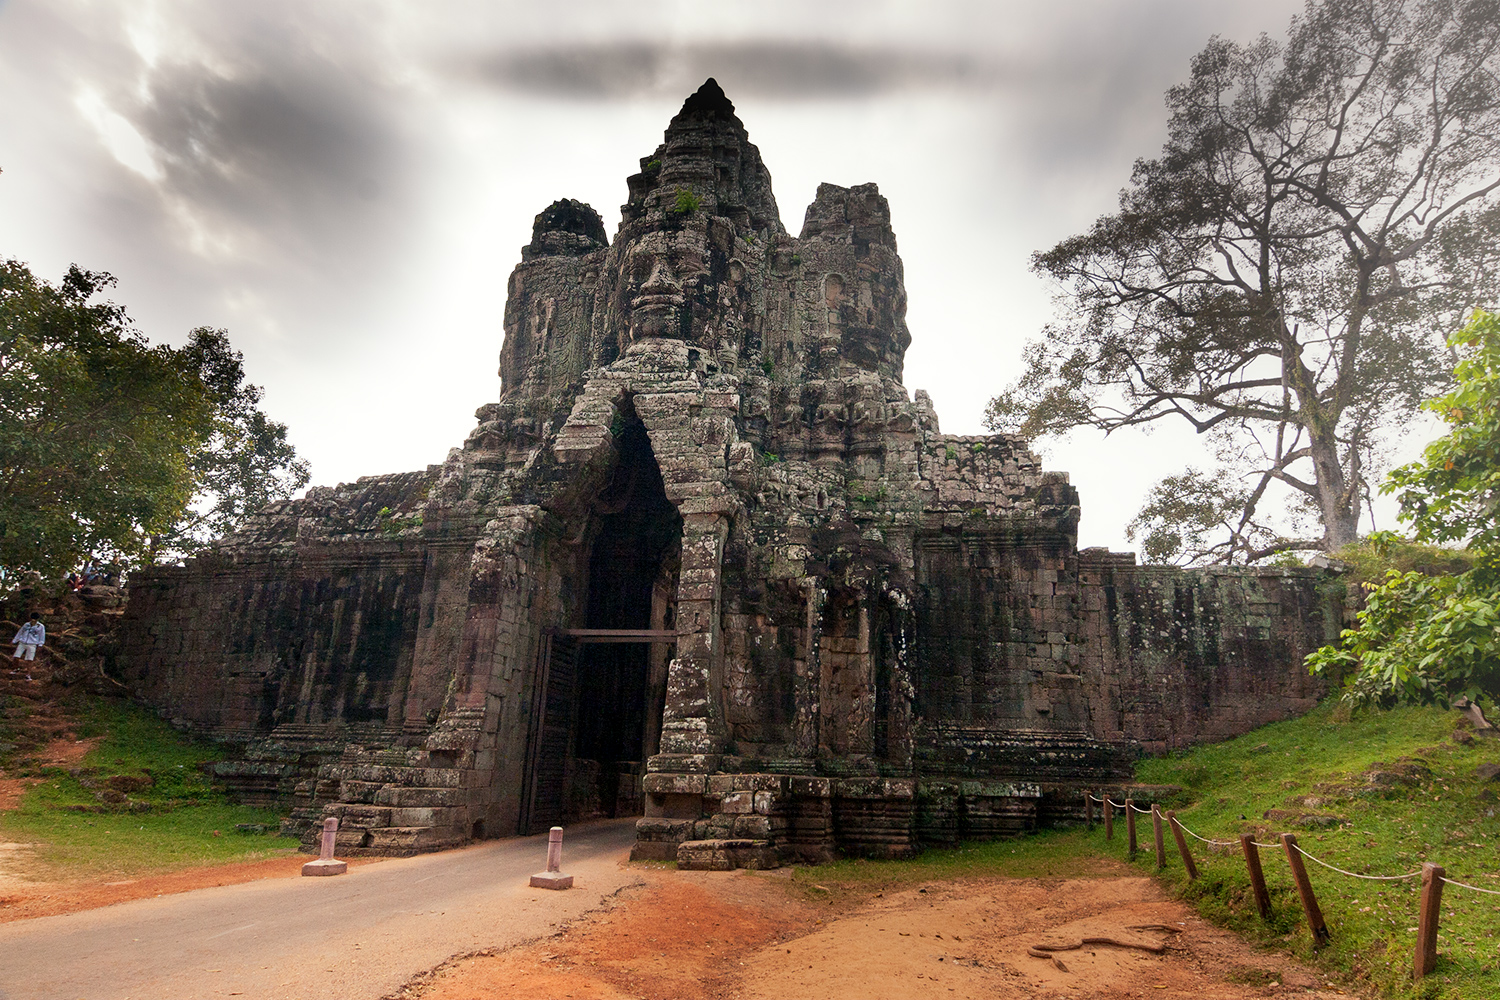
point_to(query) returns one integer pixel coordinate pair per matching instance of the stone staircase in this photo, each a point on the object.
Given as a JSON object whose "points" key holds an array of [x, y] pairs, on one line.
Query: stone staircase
{"points": [[389, 803], [31, 718]]}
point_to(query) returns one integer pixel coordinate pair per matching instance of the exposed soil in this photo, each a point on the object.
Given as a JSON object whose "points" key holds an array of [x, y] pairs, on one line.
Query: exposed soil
{"points": [[702, 935], [62, 752]]}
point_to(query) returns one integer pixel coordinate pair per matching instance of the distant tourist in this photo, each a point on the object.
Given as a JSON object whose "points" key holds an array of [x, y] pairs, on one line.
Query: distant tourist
{"points": [[31, 635]]}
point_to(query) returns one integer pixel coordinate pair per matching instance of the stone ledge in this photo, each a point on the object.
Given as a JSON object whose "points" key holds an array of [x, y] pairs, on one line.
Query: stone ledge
{"points": [[727, 855]]}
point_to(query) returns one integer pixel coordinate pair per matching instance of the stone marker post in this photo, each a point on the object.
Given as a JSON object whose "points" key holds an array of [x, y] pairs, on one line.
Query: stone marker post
{"points": [[553, 878], [326, 863]]}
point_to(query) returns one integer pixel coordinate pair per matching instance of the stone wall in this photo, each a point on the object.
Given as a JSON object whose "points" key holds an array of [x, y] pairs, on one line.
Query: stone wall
{"points": [[856, 633]]}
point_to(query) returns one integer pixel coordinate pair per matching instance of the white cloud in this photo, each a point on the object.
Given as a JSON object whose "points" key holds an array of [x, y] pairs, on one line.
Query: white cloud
{"points": [[129, 148]]}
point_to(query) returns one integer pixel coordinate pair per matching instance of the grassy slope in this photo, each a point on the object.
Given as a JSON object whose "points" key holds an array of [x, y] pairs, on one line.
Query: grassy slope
{"points": [[1448, 818], [178, 821]]}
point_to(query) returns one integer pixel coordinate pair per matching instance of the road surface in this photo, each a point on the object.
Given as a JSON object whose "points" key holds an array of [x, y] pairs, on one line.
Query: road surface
{"points": [[358, 936]]}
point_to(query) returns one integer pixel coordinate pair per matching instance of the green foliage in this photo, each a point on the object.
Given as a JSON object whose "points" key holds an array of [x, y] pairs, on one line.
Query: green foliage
{"points": [[97, 428], [652, 166], [1281, 277], [1372, 557], [1425, 638], [172, 817], [1453, 493], [1443, 814], [394, 522], [951, 452], [769, 367], [1421, 639], [115, 448], [686, 203], [246, 463], [1200, 516]]}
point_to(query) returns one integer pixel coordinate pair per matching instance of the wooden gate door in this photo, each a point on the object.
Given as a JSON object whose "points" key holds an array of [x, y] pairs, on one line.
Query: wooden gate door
{"points": [[554, 703]]}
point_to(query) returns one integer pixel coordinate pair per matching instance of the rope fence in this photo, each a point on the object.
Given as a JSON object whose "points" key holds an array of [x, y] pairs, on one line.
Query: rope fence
{"points": [[1433, 876]]}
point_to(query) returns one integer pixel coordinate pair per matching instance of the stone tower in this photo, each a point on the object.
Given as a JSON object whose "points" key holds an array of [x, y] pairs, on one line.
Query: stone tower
{"points": [[706, 560]]}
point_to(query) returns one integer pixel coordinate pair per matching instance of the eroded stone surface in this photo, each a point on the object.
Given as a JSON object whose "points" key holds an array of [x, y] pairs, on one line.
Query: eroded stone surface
{"points": [[884, 634]]}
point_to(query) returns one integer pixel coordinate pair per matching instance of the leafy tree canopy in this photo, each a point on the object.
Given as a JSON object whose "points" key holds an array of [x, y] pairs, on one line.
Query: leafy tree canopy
{"points": [[1282, 276], [112, 447], [246, 463], [1432, 638]]}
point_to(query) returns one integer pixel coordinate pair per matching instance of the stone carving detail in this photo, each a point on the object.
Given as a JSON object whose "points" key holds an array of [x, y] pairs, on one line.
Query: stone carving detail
{"points": [[859, 632]]}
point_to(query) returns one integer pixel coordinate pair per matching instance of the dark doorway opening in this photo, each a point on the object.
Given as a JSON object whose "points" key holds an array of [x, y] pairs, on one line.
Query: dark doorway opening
{"points": [[633, 572]]}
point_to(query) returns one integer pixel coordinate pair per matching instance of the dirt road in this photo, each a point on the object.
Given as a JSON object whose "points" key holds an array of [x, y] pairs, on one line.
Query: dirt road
{"points": [[754, 936], [360, 935]]}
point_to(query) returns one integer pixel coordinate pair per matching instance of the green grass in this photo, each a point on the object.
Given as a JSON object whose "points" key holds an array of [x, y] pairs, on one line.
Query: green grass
{"points": [[173, 819], [1448, 818]]}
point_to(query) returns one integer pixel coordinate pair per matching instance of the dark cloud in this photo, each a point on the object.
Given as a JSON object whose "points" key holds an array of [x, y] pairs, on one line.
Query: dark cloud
{"points": [[766, 68], [294, 146]]}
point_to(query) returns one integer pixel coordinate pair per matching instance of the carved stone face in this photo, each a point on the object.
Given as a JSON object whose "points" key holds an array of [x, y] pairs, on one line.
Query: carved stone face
{"points": [[662, 274]]}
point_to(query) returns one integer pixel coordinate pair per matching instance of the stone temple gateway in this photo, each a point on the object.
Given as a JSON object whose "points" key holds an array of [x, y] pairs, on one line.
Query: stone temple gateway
{"points": [[706, 561]]}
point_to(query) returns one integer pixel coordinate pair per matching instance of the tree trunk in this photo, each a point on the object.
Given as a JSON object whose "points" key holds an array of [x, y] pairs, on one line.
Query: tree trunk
{"points": [[1338, 499]]}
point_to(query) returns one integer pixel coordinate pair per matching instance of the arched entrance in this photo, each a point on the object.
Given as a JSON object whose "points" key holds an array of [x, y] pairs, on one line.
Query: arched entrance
{"points": [[602, 686]]}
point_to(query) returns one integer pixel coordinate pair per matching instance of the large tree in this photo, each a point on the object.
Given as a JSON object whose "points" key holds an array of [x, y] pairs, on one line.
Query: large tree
{"points": [[1281, 277], [113, 447]]}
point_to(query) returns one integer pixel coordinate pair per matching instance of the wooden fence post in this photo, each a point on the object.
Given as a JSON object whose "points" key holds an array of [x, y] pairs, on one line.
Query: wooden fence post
{"points": [[1109, 818], [1182, 848], [1257, 877], [1088, 809], [1161, 849], [1304, 889], [1427, 920], [1130, 826]]}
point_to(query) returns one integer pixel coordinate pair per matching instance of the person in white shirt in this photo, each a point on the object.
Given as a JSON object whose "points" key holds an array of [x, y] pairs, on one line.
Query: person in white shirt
{"points": [[31, 635]]}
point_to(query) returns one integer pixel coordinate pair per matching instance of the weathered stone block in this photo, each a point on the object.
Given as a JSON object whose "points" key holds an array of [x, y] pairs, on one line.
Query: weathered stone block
{"points": [[359, 791], [754, 827], [704, 855], [648, 850], [425, 816], [738, 803], [679, 806], [677, 784], [413, 840], [674, 830], [405, 796], [819, 788]]}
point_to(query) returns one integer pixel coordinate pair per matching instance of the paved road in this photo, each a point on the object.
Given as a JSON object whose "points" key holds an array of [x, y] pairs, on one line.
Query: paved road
{"points": [[350, 937]]}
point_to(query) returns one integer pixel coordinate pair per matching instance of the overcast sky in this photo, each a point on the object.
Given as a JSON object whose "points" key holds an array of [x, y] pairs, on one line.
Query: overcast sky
{"points": [[345, 186]]}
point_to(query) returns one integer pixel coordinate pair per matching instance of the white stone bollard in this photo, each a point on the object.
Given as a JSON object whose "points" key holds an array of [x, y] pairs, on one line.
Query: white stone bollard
{"points": [[553, 878], [326, 863]]}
